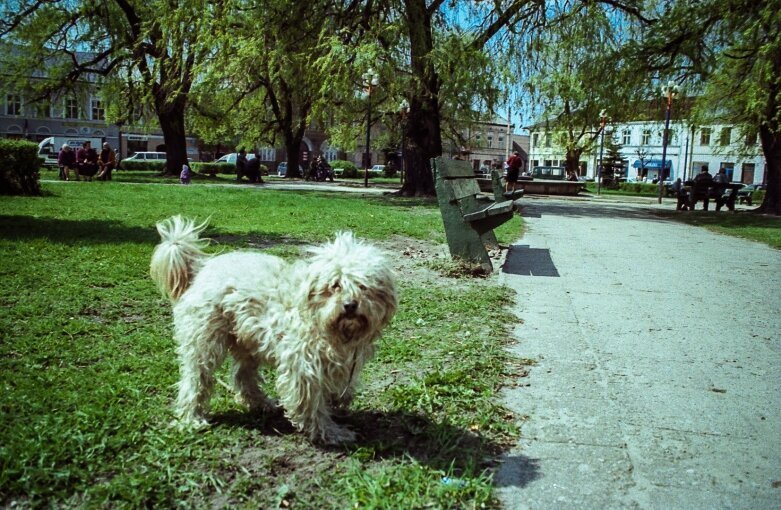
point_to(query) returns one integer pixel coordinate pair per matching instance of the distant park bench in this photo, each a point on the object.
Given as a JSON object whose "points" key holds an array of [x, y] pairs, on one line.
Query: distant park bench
{"points": [[468, 215]]}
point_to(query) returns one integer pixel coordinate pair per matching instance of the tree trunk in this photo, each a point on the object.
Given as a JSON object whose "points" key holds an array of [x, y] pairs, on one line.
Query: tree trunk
{"points": [[423, 137], [572, 160], [292, 148], [771, 146], [171, 118]]}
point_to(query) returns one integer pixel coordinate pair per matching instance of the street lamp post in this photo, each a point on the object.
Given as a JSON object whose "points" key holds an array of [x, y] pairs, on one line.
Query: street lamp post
{"points": [[403, 109], [670, 91], [370, 80], [602, 122]]}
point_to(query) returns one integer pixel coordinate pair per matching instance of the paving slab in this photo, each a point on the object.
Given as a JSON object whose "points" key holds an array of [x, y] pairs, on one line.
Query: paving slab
{"points": [[657, 381]]}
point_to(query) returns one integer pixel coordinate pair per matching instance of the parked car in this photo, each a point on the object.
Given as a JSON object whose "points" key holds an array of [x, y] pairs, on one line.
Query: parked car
{"points": [[146, 156], [558, 173], [377, 170], [231, 158], [282, 169]]}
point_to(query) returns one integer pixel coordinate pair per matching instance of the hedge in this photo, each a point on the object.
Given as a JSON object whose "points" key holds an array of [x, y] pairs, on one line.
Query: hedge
{"points": [[214, 168], [19, 164], [152, 166]]}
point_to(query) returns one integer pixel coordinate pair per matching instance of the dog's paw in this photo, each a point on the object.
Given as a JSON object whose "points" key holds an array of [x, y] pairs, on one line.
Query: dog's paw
{"points": [[267, 406], [193, 423], [336, 435]]}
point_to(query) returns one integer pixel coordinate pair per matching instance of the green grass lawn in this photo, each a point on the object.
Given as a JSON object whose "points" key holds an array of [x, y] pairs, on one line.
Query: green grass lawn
{"points": [[87, 363], [748, 225]]}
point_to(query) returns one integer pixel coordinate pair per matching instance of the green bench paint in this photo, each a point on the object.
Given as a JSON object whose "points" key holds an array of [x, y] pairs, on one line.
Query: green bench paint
{"points": [[468, 215]]}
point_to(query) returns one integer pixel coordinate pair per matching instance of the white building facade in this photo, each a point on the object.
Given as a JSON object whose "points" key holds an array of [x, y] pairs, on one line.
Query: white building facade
{"points": [[717, 146]]}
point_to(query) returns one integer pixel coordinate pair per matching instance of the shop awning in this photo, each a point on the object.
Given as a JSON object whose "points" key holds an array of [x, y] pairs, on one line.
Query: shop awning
{"points": [[653, 164]]}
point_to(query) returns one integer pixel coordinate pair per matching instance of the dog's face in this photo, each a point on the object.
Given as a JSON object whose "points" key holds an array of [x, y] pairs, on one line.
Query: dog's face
{"points": [[351, 292]]}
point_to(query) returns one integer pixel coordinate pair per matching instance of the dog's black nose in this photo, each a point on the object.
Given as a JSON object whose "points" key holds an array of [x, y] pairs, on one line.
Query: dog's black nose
{"points": [[351, 307]]}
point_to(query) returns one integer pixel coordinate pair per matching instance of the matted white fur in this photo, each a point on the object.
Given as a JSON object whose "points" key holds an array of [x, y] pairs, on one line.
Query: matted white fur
{"points": [[314, 320]]}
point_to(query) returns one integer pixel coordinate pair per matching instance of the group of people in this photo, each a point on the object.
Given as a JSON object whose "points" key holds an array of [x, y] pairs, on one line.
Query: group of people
{"points": [[248, 167], [704, 186], [86, 162]]}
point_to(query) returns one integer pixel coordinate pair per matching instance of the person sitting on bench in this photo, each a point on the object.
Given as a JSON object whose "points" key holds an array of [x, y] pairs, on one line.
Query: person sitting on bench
{"points": [[700, 190]]}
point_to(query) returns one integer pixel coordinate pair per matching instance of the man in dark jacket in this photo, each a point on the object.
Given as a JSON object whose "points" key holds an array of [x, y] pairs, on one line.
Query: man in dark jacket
{"points": [[252, 169], [701, 189], [241, 163], [87, 161]]}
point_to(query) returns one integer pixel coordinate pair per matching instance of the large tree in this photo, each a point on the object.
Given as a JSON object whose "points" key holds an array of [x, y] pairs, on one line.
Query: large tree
{"points": [[732, 49], [578, 72], [146, 52]]}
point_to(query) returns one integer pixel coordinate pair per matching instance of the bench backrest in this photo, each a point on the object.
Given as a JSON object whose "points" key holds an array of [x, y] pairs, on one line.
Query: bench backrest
{"points": [[457, 181]]}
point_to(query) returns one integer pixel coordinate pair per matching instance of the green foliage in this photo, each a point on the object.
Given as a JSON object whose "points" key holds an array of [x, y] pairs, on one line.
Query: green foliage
{"points": [[576, 68], [612, 162], [19, 165], [214, 168], [130, 164]]}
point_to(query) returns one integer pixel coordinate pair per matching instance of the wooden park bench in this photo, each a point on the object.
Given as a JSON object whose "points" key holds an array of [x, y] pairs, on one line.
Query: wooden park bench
{"points": [[468, 215]]}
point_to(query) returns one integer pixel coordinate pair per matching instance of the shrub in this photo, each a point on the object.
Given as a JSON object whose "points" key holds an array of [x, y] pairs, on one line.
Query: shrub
{"points": [[214, 168], [389, 171], [638, 187], [344, 168], [152, 166], [19, 164]]}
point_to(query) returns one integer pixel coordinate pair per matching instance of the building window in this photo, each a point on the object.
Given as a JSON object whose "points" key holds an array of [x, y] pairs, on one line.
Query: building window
{"points": [[751, 139], [646, 137], [724, 137], [535, 139], [13, 104], [627, 137], [43, 109], [270, 154], [501, 142], [98, 112], [490, 142], [547, 140], [71, 109], [705, 136], [535, 162]]}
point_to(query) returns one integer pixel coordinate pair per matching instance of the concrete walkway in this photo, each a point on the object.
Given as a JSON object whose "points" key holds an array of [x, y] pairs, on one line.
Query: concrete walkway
{"points": [[657, 382]]}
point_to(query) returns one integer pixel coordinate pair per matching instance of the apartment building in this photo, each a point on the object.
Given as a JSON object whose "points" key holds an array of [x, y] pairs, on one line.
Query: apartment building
{"points": [[688, 149]]}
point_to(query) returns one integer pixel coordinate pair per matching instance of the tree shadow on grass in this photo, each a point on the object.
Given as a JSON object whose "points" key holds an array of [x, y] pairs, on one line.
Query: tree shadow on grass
{"points": [[91, 232], [399, 435], [100, 232]]}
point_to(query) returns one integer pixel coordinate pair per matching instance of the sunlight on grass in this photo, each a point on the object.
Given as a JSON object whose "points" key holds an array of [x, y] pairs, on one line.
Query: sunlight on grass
{"points": [[88, 366]]}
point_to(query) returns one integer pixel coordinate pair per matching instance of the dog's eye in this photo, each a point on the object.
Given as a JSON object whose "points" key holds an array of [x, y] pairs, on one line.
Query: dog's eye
{"points": [[362, 287], [336, 286]]}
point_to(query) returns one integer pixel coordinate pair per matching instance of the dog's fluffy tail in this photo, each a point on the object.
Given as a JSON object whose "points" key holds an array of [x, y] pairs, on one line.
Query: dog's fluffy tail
{"points": [[178, 256]]}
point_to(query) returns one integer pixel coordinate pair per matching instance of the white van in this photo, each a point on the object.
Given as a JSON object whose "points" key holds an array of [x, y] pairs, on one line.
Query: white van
{"points": [[49, 148], [147, 156]]}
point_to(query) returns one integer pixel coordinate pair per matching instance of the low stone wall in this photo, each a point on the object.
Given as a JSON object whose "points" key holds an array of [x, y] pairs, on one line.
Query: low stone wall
{"points": [[540, 187]]}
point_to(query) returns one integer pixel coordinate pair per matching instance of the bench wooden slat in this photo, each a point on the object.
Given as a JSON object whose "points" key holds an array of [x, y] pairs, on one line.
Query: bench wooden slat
{"points": [[454, 168], [462, 188], [492, 210]]}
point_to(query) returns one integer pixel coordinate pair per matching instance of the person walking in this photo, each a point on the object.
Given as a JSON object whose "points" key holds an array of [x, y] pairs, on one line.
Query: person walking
{"points": [[514, 164]]}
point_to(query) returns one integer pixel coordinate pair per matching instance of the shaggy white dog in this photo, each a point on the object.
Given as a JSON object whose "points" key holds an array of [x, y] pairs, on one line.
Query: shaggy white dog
{"points": [[315, 321]]}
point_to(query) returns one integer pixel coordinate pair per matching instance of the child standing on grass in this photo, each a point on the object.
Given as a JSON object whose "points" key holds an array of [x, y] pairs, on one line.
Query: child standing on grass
{"points": [[186, 174]]}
